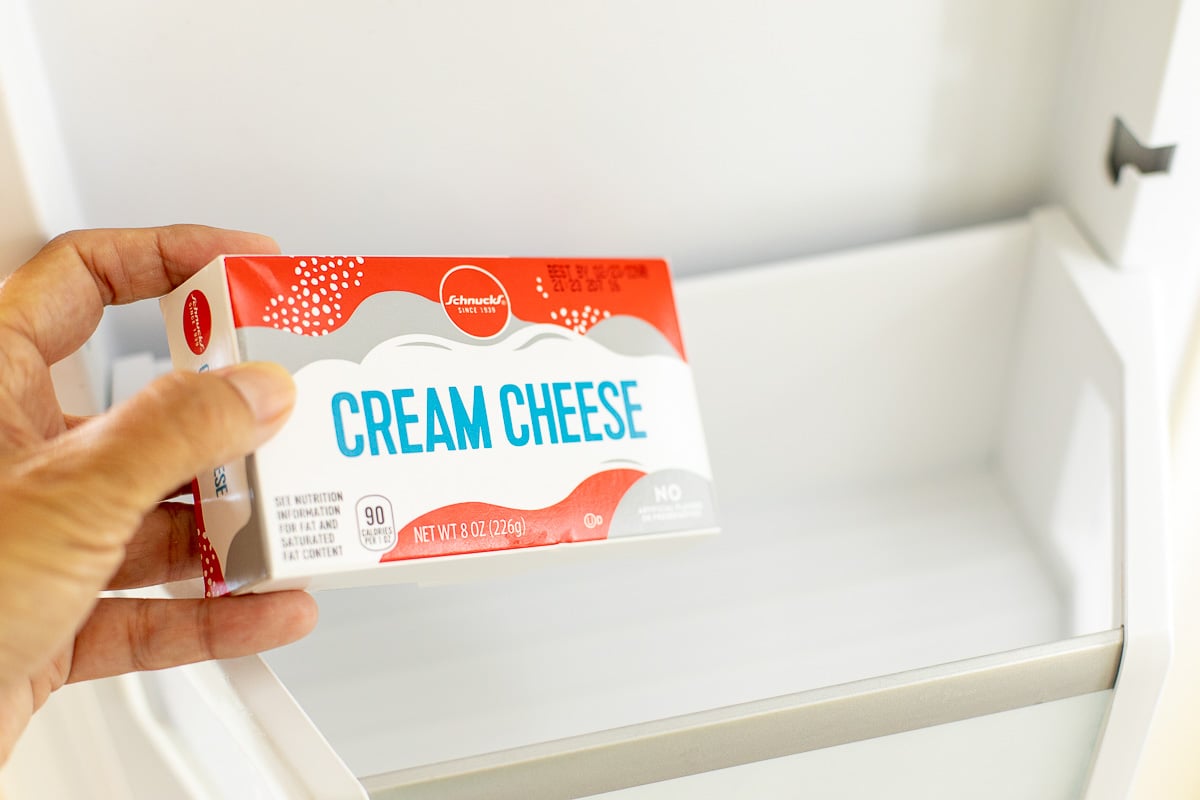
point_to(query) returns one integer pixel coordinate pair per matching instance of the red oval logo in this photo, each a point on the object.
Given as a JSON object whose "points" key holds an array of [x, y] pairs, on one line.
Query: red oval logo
{"points": [[475, 301], [197, 321]]}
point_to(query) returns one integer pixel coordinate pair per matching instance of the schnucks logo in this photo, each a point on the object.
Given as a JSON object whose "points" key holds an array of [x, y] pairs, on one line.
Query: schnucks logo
{"points": [[475, 301], [197, 321]]}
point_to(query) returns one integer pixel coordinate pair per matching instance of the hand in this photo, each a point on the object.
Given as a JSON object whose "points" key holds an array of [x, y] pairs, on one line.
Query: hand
{"points": [[80, 506]]}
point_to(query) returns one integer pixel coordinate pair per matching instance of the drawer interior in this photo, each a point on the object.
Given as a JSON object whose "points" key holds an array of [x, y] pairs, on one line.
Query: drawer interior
{"points": [[915, 451]]}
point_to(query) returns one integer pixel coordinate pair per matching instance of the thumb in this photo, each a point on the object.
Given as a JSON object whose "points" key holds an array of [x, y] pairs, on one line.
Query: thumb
{"points": [[113, 469]]}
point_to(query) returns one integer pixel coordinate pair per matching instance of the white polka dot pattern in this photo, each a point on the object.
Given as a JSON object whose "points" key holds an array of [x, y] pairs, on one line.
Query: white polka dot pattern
{"points": [[313, 307], [576, 319]]}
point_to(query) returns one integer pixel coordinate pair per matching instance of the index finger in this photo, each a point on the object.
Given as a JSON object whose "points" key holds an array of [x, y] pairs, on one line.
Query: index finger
{"points": [[56, 299]]}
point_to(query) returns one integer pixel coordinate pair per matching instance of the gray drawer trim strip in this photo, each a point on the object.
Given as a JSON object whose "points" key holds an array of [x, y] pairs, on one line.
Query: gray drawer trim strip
{"points": [[780, 726]]}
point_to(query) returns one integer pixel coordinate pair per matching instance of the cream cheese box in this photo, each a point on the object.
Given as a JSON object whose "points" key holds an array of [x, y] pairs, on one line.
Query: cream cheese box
{"points": [[448, 410]]}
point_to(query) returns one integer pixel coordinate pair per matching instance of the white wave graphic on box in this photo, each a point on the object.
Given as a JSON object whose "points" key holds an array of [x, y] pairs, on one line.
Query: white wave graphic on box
{"points": [[526, 477]]}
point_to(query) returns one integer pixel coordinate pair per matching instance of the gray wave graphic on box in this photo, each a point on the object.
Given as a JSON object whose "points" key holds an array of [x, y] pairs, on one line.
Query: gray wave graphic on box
{"points": [[390, 314]]}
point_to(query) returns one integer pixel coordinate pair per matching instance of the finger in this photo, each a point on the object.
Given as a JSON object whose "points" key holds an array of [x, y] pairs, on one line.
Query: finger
{"points": [[164, 549], [127, 635], [100, 478], [55, 300]]}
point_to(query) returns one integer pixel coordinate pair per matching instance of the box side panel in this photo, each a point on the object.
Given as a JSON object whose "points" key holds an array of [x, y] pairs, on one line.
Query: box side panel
{"points": [[199, 321]]}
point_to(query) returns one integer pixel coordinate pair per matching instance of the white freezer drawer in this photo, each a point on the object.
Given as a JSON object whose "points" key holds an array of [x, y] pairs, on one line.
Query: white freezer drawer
{"points": [[922, 452]]}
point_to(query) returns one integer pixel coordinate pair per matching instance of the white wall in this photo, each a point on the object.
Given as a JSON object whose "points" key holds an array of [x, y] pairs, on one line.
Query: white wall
{"points": [[714, 133], [717, 133], [18, 230]]}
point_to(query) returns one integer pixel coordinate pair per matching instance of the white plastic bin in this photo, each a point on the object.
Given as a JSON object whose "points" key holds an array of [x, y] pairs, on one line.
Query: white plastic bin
{"points": [[932, 489]]}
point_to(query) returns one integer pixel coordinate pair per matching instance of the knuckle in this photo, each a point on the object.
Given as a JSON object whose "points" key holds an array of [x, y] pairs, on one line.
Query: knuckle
{"points": [[69, 239], [140, 634], [75, 245], [207, 630], [101, 250]]}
